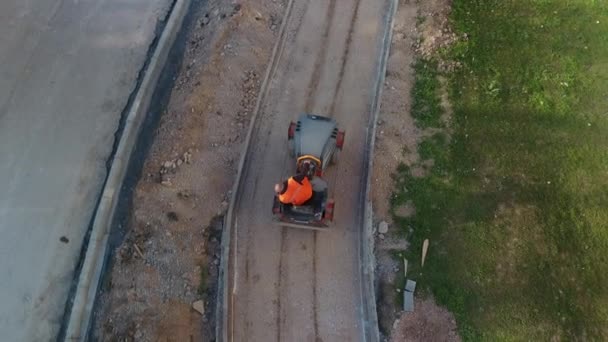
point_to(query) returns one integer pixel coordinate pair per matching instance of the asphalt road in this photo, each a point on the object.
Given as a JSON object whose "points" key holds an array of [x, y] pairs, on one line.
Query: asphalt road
{"points": [[293, 284], [66, 71]]}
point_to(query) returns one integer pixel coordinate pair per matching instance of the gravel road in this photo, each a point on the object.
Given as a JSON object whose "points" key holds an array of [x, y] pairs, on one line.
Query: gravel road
{"points": [[301, 285]]}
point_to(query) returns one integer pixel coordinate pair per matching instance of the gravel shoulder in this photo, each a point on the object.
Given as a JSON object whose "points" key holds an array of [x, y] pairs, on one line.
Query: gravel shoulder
{"points": [[168, 250]]}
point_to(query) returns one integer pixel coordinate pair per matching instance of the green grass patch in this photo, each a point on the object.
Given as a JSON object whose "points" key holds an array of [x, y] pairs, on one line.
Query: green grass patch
{"points": [[426, 108], [399, 283], [516, 202]]}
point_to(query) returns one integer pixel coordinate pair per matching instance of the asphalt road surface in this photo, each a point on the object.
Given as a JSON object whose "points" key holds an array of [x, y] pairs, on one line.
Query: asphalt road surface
{"points": [[66, 71], [294, 284]]}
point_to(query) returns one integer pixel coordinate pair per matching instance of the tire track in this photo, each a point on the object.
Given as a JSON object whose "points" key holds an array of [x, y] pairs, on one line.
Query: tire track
{"points": [[319, 79], [292, 34], [225, 308], [345, 55], [314, 287], [321, 55], [279, 282]]}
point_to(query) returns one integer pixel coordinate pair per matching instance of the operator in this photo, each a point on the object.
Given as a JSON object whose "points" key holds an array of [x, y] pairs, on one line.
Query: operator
{"points": [[296, 190]]}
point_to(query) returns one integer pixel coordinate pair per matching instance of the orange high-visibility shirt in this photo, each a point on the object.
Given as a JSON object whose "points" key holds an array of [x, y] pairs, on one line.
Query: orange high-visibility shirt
{"points": [[296, 193]]}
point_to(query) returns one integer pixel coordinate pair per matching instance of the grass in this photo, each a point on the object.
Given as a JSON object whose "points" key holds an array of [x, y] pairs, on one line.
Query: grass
{"points": [[516, 201], [400, 277], [425, 105]]}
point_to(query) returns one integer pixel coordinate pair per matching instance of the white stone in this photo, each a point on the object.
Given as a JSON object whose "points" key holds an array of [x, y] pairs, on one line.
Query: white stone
{"points": [[383, 227], [199, 306]]}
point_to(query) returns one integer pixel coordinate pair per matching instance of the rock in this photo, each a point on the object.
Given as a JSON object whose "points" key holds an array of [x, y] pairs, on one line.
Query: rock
{"points": [[167, 164], [236, 9], [204, 21], [187, 157], [199, 306], [184, 194], [383, 227], [179, 162], [381, 236]]}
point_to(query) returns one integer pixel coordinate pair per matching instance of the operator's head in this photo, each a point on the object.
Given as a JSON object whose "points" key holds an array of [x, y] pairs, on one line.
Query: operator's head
{"points": [[306, 166], [278, 188]]}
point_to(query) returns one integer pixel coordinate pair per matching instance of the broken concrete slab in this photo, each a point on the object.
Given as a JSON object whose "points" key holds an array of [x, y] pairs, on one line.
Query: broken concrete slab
{"points": [[199, 306], [408, 301], [410, 285]]}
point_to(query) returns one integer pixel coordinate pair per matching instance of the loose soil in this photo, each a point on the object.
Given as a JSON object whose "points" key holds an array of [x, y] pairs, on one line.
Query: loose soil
{"points": [[428, 323], [170, 253]]}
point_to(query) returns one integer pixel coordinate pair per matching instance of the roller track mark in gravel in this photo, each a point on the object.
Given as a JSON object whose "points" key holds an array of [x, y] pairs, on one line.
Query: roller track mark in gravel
{"points": [[314, 286], [280, 280], [312, 294], [321, 55], [299, 16], [345, 55], [300, 21]]}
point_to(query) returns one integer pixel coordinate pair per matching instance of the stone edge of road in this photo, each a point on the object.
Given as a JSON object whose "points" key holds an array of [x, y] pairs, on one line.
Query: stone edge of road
{"points": [[79, 322], [224, 305], [369, 315]]}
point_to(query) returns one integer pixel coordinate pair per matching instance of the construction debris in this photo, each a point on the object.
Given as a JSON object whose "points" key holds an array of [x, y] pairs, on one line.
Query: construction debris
{"points": [[425, 248], [199, 306]]}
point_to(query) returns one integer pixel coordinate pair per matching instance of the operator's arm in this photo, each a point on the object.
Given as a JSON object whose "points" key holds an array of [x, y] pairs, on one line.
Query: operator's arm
{"points": [[284, 188], [299, 178]]}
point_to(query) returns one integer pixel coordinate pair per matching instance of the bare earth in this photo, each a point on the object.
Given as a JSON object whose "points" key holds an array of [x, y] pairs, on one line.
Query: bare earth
{"points": [[428, 323], [186, 179]]}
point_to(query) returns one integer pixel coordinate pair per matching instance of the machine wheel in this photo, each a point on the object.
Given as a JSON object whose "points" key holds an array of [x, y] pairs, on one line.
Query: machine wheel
{"points": [[291, 146], [335, 157]]}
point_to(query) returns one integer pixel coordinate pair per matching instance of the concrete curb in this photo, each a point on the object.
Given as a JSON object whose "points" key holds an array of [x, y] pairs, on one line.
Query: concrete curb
{"points": [[366, 249], [225, 293], [79, 322]]}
